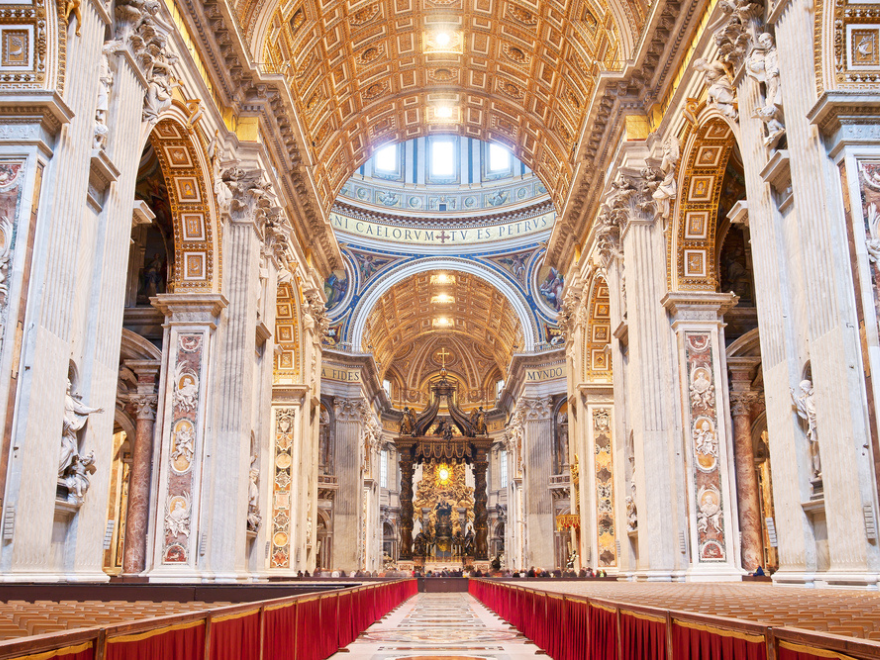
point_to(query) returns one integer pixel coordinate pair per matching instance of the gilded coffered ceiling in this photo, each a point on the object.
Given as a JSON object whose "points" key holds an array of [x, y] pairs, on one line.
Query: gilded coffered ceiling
{"points": [[425, 313], [366, 73]]}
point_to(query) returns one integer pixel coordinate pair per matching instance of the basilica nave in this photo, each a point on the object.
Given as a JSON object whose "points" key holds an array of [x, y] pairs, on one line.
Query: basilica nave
{"points": [[466, 328]]}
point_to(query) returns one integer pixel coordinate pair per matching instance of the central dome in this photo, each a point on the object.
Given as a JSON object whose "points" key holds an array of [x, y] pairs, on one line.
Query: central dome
{"points": [[446, 177]]}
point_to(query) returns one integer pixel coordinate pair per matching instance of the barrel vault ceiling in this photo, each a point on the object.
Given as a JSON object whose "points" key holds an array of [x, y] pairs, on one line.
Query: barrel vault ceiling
{"points": [[516, 72], [415, 315]]}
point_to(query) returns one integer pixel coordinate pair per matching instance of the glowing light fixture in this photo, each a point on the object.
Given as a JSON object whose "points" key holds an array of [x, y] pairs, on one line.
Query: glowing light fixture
{"points": [[442, 322], [442, 278], [442, 299], [444, 111], [443, 39]]}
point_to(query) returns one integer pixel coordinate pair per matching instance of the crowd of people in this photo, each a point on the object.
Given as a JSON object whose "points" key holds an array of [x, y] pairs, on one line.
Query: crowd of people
{"points": [[447, 571]]}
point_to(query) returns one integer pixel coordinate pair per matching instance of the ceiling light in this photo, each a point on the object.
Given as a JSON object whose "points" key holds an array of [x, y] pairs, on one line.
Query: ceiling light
{"points": [[444, 111], [442, 299], [442, 322], [442, 39]]}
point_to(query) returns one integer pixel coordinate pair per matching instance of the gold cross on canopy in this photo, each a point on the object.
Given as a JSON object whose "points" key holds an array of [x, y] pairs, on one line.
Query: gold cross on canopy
{"points": [[443, 354]]}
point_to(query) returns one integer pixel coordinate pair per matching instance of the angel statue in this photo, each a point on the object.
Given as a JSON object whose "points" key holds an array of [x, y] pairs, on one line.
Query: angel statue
{"points": [[75, 417], [408, 423]]}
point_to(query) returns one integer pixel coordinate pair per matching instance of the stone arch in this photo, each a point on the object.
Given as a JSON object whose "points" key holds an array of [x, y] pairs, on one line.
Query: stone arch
{"points": [[187, 174], [365, 305], [597, 332], [693, 264], [288, 329]]}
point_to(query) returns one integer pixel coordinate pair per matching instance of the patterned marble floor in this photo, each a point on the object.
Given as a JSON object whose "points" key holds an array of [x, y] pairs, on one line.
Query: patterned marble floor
{"points": [[440, 626]]}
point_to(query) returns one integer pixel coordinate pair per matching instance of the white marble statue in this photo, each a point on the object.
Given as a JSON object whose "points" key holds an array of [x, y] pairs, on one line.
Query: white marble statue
{"points": [[77, 478], [75, 417], [806, 409], [721, 93], [105, 80], [632, 514], [178, 517], [253, 516], [763, 66]]}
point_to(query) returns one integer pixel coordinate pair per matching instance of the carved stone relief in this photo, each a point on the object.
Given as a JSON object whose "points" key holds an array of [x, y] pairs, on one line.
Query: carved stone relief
{"points": [[604, 470], [183, 448], [285, 419], [703, 432]]}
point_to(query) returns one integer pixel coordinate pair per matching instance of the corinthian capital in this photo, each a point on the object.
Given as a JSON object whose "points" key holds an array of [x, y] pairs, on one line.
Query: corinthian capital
{"points": [[741, 403], [146, 405], [535, 409], [571, 302], [315, 314], [351, 410], [243, 194]]}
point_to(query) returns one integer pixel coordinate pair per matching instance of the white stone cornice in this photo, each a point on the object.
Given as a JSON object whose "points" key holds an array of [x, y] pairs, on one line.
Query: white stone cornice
{"points": [[697, 306], [190, 308], [289, 395]]}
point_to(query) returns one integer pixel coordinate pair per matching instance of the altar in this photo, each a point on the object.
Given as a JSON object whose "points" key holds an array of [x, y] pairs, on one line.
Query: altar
{"points": [[451, 452]]}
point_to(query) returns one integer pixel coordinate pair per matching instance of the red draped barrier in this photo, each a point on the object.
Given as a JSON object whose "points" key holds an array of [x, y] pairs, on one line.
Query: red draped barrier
{"points": [[556, 632], [329, 642], [236, 636], [348, 631], [308, 629], [577, 627], [642, 635], [84, 651], [790, 651], [279, 632], [692, 641], [603, 632], [184, 641]]}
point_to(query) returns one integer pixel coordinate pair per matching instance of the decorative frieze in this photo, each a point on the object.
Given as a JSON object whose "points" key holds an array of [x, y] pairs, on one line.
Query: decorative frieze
{"points": [[281, 487], [705, 444], [604, 472], [185, 435]]}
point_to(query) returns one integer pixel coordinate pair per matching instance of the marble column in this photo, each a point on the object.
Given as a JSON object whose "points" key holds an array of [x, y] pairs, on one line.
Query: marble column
{"points": [[137, 518], [351, 416], [748, 502], [539, 514], [406, 506], [572, 321], [314, 326], [708, 457], [234, 385], [191, 321], [481, 514], [658, 472]]}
